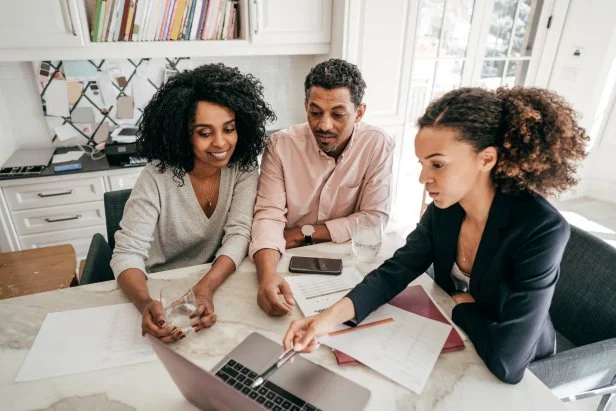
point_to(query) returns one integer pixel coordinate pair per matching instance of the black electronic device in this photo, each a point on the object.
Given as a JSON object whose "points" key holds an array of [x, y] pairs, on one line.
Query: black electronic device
{"points": [[315, 265]]}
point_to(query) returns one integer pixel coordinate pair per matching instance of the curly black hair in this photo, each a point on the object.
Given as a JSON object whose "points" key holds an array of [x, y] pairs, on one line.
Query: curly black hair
{"points": [[535, 131], [335, 73], [165, 129]]}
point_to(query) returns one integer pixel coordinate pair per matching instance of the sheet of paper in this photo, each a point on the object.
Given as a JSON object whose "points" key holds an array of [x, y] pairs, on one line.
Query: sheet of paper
{"points": [[404, 350], [68, 156], [74, 90], [315, 293], [56, 99], [65, 132], [79, 70], [84, 340], [103, 80]]}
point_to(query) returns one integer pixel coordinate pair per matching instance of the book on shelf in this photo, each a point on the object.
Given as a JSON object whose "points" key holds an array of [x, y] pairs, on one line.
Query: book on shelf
{"points": [[162, 20]]}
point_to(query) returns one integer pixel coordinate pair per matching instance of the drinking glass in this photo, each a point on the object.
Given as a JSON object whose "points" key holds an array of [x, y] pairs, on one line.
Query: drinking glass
{"points": [[367, 237], [177, 308]]}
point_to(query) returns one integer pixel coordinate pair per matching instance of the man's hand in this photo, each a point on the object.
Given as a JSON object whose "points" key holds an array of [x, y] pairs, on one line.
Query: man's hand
{"points": [[270, 288], [293, 237]]}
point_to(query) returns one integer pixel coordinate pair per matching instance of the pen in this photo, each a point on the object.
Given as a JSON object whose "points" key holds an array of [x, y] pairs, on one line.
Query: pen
{"points": [[290, 353], [282, 360]]}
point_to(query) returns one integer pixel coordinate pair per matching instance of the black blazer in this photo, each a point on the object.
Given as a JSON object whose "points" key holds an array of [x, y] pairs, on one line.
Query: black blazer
{"points": [[512, 279]]}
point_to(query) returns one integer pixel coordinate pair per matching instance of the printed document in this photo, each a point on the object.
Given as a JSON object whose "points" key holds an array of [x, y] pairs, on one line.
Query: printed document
{"points": [[71, 342], [315, 293], [404, 350]]}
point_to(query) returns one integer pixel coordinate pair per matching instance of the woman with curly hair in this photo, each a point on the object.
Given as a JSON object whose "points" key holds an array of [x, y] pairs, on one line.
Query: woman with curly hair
{"points": [[495, 243], [192, 204]]}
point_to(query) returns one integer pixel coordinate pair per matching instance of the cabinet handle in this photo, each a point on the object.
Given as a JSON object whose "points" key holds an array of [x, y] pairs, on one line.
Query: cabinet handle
{"points": [[256, 25], [70, 17], [63, 193], [56, 220]]}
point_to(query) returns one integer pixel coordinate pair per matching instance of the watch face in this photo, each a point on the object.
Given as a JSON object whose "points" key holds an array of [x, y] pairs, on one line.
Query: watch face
{"points": [[307, 229]]}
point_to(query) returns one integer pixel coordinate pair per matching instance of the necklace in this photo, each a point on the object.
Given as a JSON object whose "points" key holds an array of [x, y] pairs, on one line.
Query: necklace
{"points": [[461, 241], [207, 189], [209, 196]]}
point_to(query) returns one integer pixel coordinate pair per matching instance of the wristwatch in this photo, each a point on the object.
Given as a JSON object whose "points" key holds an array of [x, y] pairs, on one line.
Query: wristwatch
{"points": [[308, 231]]}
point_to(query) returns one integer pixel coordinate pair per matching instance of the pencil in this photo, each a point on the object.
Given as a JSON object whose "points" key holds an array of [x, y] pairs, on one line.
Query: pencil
{"points": [[359, 327]]}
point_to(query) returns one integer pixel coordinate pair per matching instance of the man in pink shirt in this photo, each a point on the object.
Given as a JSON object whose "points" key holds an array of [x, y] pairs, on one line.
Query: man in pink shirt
{"points": [[318, 177]]}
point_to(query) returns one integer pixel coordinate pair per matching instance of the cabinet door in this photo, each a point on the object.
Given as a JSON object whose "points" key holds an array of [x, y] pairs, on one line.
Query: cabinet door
{"points": [[123, 181], [287, 22], [79, 238], [54, 193], [50, 219], [36, 23]]}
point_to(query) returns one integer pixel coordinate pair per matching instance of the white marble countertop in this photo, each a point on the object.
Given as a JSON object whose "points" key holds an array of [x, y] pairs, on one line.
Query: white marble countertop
{"points": [[459, 381]]}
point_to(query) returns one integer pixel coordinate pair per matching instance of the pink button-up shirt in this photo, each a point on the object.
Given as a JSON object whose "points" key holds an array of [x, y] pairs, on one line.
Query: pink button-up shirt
{"points": [[300, 184]]}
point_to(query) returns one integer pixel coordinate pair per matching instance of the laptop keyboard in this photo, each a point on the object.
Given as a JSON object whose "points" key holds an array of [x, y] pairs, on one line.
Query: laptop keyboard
{"points": [[269, 395]]}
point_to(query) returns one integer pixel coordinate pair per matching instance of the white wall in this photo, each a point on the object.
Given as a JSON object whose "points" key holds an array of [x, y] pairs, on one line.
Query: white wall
{"points": [[22, 123], [590, 26]]}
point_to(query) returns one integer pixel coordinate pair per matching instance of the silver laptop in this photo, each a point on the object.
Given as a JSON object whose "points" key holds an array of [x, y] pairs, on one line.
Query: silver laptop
{"points": [[25, 157], [300, 385]]}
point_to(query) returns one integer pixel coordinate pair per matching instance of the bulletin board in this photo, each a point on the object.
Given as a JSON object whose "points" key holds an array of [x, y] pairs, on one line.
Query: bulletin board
{"points": [[84, 100]]}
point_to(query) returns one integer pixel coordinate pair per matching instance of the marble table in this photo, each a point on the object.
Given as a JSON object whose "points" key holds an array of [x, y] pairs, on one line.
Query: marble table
{"points": [[459, 381]]}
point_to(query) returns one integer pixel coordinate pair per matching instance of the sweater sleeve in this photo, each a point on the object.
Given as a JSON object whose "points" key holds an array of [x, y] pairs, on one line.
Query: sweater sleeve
{"points": [[239, 219], [139, 220]]}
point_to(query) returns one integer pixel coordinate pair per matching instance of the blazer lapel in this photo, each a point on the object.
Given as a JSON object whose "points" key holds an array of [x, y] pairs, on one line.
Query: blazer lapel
{"points": [[490, 240], [447, 241]]}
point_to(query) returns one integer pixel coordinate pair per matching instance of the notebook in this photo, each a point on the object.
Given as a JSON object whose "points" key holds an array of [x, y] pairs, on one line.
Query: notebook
{"points": [[415, 300]]}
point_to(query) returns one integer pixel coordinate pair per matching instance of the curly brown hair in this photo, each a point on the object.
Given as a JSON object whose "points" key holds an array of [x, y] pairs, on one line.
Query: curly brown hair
{"points": [[535, 131]]}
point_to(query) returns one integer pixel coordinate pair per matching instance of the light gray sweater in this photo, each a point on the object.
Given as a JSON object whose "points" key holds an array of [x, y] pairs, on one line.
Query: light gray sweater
{"points": [[163, 226]]}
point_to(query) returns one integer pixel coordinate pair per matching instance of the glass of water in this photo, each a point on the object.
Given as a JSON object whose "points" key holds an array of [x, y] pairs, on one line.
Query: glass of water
{"points": [[177, 308], [367, 237]]}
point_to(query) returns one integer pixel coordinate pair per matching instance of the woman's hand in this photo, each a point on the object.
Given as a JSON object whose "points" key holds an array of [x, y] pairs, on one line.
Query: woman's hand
{"points": [[460, 298], [302, 334], [153, 322], [204, 315]]}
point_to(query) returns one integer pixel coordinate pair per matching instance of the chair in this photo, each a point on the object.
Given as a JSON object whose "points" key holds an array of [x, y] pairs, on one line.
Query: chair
{"points": [[96, 267], [583, 312]]}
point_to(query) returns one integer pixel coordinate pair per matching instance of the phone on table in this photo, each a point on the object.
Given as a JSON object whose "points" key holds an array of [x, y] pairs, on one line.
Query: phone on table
{"points": [[315, 265]]}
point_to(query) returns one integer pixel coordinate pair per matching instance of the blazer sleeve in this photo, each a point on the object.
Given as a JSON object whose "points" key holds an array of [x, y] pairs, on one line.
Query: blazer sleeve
{"points": [[508, 345], [407, 263]]}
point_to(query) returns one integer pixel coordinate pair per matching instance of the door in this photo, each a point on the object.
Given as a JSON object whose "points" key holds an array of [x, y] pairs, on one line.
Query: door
{"points": [[290, 22], [463, 43], [36, 23]]}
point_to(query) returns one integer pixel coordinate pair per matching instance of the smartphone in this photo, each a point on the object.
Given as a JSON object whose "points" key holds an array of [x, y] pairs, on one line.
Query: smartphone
{"points": [[315, 265]]}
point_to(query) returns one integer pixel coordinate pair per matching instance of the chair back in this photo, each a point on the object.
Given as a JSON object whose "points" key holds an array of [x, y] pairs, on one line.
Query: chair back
{"points": [[584, 304], [114, 208], [96, 267]]}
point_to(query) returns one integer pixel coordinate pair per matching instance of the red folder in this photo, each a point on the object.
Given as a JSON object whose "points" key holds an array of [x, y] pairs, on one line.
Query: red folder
{"points": [[414, 299]]}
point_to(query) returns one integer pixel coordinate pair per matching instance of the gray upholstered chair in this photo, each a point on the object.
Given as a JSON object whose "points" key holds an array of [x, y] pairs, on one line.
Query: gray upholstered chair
{"points": [[96, 267], [584, 315]]}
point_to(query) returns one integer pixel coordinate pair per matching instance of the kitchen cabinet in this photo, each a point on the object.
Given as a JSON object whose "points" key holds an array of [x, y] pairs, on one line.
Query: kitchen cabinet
{"points": [[43, 211], [39, 24], [59, 30]]}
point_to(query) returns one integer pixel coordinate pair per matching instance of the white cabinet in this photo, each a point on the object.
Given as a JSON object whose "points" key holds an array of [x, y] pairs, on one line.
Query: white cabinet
{"points": [[59, 30], [284, 21], [39, 212], [123, 181], [36, 23]]}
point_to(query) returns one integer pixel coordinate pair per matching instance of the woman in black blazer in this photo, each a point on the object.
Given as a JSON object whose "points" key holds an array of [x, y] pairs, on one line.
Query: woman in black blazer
{"points": [[496, 244]]}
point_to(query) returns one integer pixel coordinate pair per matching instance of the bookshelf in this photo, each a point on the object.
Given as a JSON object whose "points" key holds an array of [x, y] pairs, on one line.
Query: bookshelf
{"points": [[266, 28]]}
